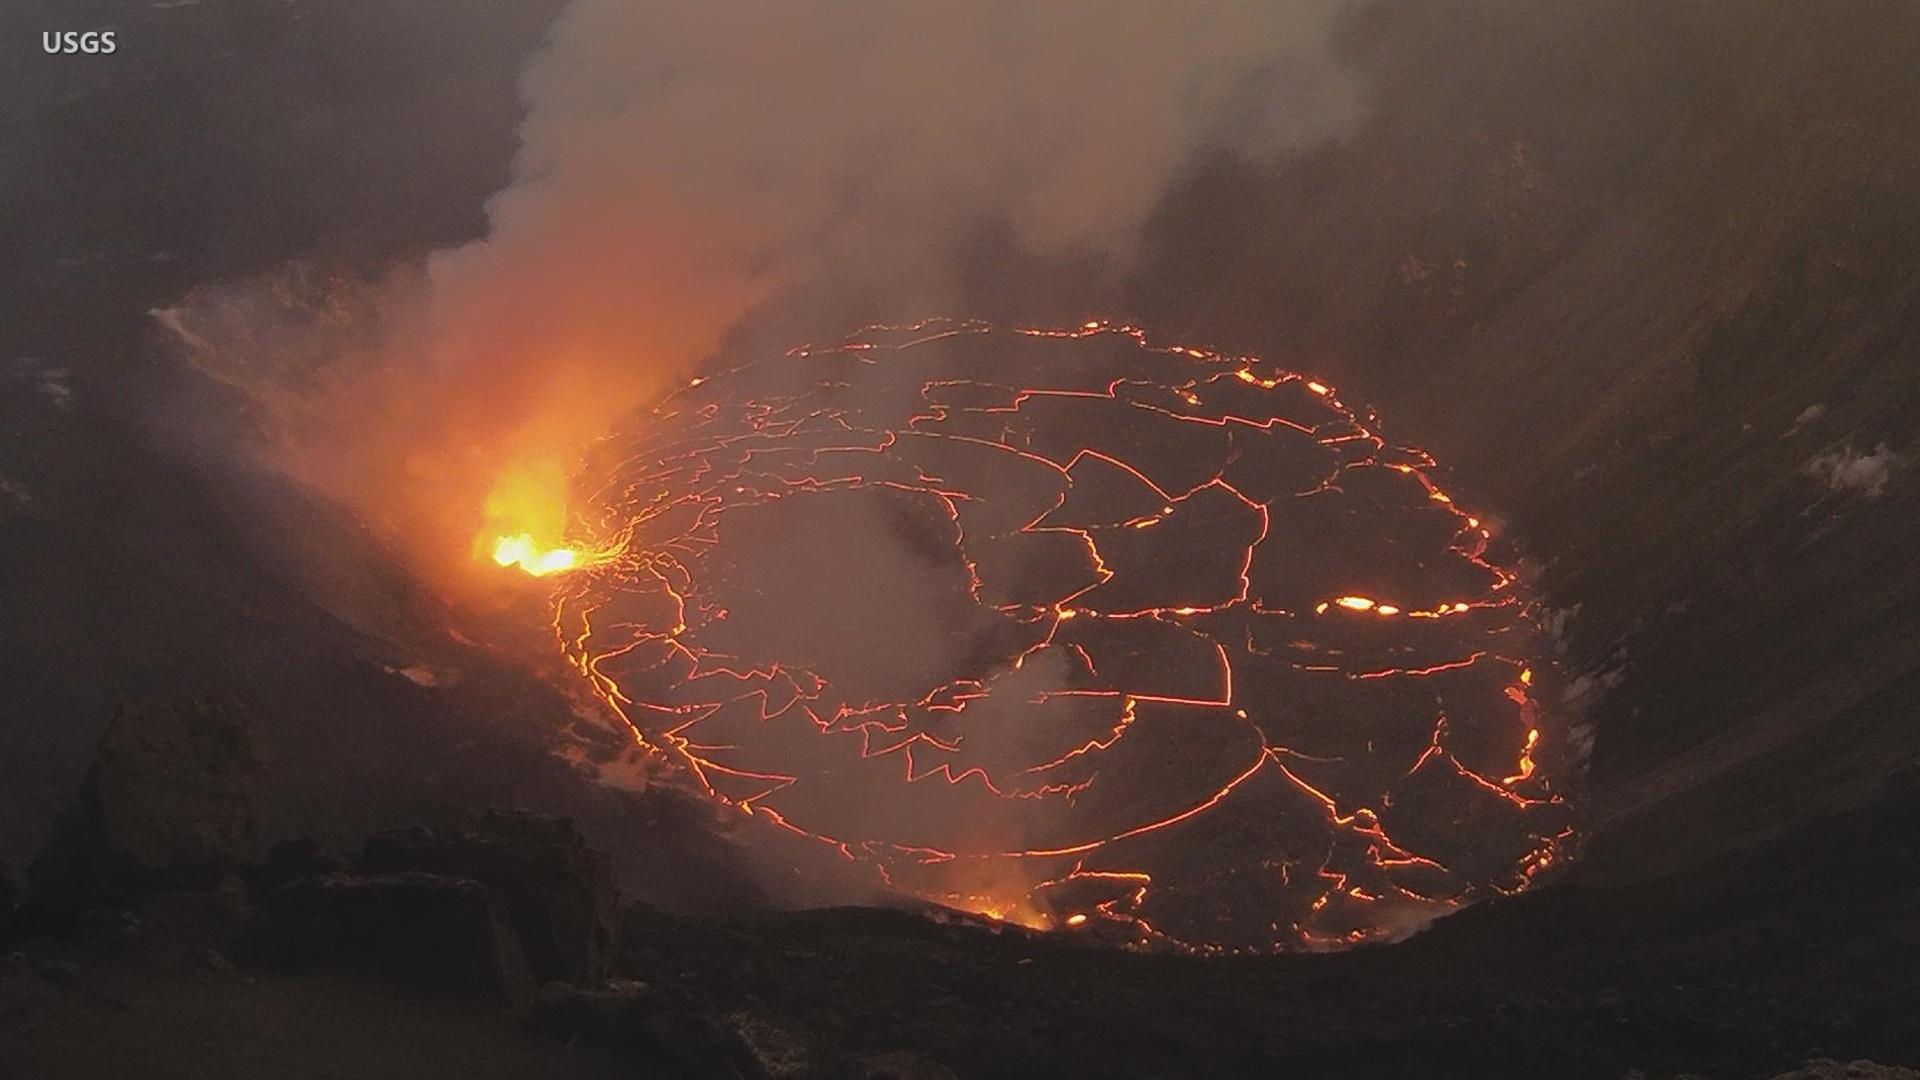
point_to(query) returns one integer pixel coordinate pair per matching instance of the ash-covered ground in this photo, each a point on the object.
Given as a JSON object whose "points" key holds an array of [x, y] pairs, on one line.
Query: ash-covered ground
{"points": [[1641, 275]]}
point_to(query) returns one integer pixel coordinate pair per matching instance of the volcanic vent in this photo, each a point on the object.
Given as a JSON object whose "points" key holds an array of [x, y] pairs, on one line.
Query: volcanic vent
{"points": [[1076, 632]]}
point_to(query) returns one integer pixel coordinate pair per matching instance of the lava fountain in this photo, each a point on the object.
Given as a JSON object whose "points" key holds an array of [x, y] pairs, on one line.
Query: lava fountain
{"points": [[1074, 631]]}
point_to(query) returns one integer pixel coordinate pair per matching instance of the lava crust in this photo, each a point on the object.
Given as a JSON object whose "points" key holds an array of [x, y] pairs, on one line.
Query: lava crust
{"points": [[1073, 631]]}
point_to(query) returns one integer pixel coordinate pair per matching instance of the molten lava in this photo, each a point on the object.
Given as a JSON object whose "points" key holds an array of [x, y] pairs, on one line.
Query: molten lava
{"points": [[1071, 630], [523, 551], [525, 513]]}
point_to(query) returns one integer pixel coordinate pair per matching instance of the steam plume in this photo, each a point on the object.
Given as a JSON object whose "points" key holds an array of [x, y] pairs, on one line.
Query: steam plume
{"points": [[683, 163]]}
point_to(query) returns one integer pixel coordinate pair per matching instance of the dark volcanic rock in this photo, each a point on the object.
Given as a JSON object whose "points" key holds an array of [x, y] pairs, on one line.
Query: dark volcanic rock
{"points": [[517, 901], [173, 800], [559, 892], [292, 859], [903, 1065], [1903, 783], [1826, 1069], [777, 1048], [697, 1042], [9, 898], [170, 932], [446, 932], [654, 1023], [613, 1014]]}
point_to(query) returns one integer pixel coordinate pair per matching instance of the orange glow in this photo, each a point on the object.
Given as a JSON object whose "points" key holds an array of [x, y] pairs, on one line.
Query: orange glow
{"points": [[526, 519], [1386, 610], [524, 552], [1015, 913], [1526, 759], [525, 514]]}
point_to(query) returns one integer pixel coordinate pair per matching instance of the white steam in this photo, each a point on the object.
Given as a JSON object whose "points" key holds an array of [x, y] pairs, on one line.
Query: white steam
{"points": [[683, 163], [736, 143]]}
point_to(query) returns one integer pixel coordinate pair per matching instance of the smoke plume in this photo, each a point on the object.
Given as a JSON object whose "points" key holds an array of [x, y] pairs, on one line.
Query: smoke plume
{"points": [[682, 164]]}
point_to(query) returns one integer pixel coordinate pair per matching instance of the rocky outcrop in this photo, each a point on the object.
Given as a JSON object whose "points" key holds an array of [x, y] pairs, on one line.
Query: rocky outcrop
{"points": [[644, 1019], [289, 860], [558, 892], [613, 1014], [778, 1048], [447, 933], [173, 800], [512, 903]]}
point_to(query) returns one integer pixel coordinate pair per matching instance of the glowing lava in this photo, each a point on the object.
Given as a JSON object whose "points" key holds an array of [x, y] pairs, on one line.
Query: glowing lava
{"points": [[1074, 631], [527, 506], [523, 551]]}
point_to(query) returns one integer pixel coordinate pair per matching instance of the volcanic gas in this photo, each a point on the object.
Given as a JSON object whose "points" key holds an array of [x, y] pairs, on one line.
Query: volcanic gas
{"points": [[1075, 631]]}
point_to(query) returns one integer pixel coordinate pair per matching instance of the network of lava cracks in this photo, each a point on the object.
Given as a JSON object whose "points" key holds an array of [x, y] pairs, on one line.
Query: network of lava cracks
{"points": [[1074, 631]]}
